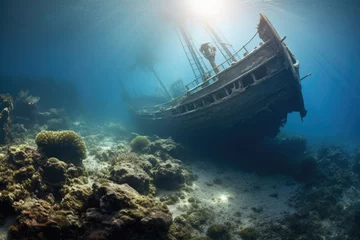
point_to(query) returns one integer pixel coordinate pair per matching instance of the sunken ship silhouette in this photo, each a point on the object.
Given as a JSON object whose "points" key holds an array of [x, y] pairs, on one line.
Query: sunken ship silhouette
{"points": [[246, 97]]}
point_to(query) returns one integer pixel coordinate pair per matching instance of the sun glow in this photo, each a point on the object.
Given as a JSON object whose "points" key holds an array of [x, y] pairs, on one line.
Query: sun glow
{"points": [[205, 8]]}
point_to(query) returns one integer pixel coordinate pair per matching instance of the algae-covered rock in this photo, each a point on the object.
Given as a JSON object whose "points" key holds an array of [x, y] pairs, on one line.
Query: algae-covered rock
{"points": [[39, 219], [131, 174], [139, 143], [64, 145], [22, 155], [54, 172], [24, 173], [181, 229], [168, 175], [76, 197], [126, 213], [168, 146], [218, 232], [249, 233], [6, 107]]}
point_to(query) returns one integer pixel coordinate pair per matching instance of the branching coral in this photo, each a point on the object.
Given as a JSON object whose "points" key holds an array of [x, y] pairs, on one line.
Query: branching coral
{"points": [[64, 145], [25, 97]]}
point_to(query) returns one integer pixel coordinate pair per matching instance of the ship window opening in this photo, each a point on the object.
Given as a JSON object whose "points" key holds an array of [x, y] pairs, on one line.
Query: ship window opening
{"points": [[182, 109], [228, 90], [190, 107], [237, 84], [220, 94], [261, 72], [209, 99], [247, 80], [199, 103]]}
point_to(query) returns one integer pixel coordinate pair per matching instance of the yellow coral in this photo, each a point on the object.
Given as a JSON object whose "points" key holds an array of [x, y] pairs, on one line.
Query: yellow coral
{"points": [[139, 143], [64, 145]]}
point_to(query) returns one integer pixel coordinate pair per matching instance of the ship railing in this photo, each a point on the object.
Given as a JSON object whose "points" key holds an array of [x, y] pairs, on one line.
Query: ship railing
{"points": [[164, 106], [194, 86], [211, 76]]}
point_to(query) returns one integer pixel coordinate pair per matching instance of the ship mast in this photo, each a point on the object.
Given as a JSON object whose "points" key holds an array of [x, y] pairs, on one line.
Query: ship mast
{"points": [[195, 60], [160, 82], [221, 45]]}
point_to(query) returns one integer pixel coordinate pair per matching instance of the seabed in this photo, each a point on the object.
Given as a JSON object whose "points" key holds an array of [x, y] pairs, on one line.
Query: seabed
{"points": [[74, 180]]}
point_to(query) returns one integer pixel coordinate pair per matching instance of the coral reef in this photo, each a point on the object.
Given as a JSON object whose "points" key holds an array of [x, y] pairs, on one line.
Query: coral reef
{"points": [[64, 145], [27, 190], [6, 107], [139, 143]]}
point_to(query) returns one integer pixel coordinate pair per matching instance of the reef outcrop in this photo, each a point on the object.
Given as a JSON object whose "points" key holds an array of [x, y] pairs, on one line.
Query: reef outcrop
{"points": [[49, 192], [6, 108], [122, 211]]}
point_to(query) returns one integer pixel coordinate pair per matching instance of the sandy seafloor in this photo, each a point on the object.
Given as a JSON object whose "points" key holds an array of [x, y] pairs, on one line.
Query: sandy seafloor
{"points": [[242, 197]]}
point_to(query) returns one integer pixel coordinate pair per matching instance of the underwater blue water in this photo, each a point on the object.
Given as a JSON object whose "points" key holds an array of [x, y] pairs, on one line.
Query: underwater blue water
{"points": [[96, 45]]}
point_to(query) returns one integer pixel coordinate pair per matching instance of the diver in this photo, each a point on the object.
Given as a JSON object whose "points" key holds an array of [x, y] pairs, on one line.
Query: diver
{"points": [[209, 52]]}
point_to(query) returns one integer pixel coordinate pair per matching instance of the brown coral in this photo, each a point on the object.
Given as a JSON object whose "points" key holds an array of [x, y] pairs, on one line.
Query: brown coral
{"points": [[64, 145]]}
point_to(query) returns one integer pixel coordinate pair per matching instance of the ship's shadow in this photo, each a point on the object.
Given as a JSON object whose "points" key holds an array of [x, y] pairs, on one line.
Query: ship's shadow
{"points": [[280, 155]]}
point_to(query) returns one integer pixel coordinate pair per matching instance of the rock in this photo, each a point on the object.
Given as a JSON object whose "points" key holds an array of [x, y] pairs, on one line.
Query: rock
{"points": [[124, 212], [134, 176], [168, 175], [76, 197], [54, 172], [157, 220], [249, 233], [167, 146], [218, 232], [39, 219], [181, 229]]}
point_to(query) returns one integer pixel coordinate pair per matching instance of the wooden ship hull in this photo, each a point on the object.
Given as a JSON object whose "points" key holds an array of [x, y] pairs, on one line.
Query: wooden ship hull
{"points": [[248, 100]]}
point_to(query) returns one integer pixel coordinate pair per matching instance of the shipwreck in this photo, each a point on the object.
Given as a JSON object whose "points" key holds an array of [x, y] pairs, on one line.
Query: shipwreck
{"points": [[244, 97]]}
